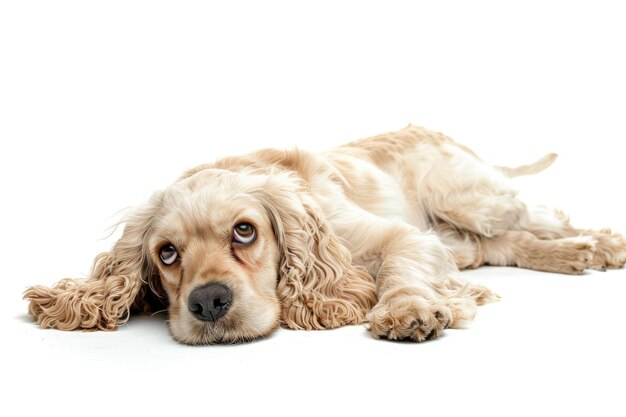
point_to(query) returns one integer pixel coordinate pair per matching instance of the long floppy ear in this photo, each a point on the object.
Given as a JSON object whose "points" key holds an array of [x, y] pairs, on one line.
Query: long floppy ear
{"points": [[318, 285], [119, 280]]}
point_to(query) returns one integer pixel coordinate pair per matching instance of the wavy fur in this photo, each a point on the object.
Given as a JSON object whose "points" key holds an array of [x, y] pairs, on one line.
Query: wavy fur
{"points": [[374, 231], [118, 282], [319, 287]]}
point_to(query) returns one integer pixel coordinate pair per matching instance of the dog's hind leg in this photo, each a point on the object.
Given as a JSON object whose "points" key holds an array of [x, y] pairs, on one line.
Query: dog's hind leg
{"points": [[554, 224], [469, 194], [476, 199], [568, 255]]}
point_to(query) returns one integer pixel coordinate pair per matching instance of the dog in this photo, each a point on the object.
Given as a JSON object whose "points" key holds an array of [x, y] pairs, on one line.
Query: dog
{"points": [[371, 232]]}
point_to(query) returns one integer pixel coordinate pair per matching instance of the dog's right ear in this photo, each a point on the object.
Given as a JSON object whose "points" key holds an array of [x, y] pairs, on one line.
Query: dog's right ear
{"points": [[318, 285], [119, 280]]}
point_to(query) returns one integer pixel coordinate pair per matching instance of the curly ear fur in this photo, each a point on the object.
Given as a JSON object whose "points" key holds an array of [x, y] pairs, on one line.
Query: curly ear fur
{"points": [[318, 286], [116, 284]]}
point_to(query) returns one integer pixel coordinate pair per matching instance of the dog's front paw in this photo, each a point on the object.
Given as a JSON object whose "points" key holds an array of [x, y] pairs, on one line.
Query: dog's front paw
{"points": [[407, 314]]}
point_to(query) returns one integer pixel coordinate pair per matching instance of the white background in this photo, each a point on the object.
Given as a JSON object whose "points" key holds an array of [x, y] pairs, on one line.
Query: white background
{"points": [[102, 103]]}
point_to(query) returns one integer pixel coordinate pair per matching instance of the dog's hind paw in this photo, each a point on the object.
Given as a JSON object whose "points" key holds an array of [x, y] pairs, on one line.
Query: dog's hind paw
{"points": [[610, 251]]}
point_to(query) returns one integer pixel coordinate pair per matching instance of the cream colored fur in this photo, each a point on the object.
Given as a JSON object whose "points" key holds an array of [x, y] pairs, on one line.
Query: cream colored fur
{"points": [[372, 232]]}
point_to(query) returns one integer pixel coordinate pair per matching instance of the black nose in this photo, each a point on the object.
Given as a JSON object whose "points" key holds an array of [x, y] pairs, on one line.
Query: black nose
{"points": [[210, 302]]}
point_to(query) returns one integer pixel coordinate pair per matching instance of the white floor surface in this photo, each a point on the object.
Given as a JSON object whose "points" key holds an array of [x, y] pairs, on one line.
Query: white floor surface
{"points": [[554, 345]]}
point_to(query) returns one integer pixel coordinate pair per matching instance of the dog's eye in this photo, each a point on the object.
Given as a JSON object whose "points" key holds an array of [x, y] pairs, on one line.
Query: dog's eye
{"points": [[244, 233], [168, 254]]}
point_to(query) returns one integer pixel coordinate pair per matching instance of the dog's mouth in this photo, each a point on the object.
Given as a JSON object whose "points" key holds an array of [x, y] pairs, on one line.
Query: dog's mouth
{"points": [[225, 330], [205, 333]]}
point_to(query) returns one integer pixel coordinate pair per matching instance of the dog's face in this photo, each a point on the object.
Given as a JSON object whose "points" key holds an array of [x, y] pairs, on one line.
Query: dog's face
{"points": [[215, 250]]}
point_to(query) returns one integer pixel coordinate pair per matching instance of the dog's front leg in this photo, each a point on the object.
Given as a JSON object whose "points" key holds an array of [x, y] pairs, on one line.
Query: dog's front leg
{"points": [[419, 293]]}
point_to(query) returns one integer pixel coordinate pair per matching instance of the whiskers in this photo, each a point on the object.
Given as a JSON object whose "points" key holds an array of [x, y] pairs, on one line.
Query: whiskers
{"points": [[158, 312]]}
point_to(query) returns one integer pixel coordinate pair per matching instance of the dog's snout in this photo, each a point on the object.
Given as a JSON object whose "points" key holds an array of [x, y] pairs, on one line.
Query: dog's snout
{"points": [[210, 302]]}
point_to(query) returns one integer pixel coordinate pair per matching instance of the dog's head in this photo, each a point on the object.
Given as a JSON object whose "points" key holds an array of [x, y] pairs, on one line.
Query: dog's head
{"points": [[232, 254]]}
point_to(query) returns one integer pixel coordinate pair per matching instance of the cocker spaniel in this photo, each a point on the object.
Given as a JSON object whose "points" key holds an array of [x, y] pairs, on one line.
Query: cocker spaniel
{"points": [[372, 232]]}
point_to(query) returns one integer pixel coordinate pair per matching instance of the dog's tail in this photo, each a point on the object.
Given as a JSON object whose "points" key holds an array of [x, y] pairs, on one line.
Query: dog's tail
{"points": [[529, 169]]}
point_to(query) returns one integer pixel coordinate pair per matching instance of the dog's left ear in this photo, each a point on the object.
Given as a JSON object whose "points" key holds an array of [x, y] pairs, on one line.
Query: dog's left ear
{"points": [[318, 285]]}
